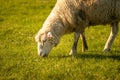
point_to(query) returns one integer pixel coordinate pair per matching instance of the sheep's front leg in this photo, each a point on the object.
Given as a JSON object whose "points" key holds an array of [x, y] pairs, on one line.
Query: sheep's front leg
{"points": [[114, 31], [74, 47], [76, 38]]}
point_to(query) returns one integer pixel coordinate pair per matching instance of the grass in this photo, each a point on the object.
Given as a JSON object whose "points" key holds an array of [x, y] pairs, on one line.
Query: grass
{"points": [[20, 20]]}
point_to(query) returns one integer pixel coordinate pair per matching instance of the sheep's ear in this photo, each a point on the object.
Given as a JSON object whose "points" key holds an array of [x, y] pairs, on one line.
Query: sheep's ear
{"points": [[49, 35], [52, 38]]}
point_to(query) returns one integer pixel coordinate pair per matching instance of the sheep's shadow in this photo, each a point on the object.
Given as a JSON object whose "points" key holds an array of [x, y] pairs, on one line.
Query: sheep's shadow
{"points": [[100, 55], [96, 55]]}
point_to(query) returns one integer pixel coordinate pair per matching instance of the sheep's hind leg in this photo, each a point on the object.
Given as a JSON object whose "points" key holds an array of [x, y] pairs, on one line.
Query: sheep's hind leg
{"points": [[112, 36], [76, 38]]}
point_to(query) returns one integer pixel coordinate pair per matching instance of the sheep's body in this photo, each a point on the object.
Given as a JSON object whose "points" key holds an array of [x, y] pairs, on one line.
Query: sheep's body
{"points": [[75, 15], [91, 12]]}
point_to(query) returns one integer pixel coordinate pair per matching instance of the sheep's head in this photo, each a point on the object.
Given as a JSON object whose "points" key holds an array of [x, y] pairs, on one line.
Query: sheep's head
{"points": [[46, 41]]}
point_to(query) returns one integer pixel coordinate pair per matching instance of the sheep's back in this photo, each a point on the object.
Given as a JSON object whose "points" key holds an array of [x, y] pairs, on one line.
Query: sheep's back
{"points": [[101, 11]]}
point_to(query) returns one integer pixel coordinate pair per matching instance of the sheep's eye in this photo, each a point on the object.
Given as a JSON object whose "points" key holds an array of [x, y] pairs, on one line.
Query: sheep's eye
{"points": [[43, 41]]}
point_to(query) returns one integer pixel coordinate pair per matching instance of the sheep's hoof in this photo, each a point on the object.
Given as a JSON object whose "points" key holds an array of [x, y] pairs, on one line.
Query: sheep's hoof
{"points": [[106, 50], [72, 52]]}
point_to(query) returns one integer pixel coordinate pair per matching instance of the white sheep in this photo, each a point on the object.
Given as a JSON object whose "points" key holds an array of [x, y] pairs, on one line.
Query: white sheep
{"points": [[74, 16]]}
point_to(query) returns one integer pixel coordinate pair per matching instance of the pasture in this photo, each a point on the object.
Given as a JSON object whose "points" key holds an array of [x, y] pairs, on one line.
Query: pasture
{"points": [[20, 20]]}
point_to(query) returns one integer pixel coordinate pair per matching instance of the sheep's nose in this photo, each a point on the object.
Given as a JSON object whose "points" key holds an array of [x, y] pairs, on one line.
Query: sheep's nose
{"points": [[42, 54]]}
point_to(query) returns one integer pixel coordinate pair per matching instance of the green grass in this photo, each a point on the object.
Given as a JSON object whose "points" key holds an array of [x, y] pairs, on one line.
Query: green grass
{"points": [[20, 20]]}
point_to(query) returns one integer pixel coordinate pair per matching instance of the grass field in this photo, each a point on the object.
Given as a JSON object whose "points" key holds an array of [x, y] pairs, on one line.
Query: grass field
{"points": [[20, 20]]}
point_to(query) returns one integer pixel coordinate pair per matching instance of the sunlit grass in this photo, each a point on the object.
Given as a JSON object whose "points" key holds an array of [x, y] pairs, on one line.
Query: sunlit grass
{"points": [[20, 20]]}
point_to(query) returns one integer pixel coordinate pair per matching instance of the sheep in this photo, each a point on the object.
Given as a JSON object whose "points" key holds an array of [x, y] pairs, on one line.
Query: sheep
{"points": [[70, 16]]}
